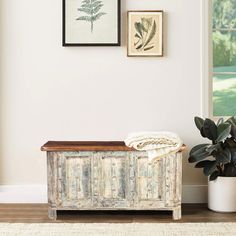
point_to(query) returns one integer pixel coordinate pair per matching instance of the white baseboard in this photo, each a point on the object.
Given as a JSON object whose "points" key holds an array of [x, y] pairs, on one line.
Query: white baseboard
{"points": [[38, 193], [23, 193]]}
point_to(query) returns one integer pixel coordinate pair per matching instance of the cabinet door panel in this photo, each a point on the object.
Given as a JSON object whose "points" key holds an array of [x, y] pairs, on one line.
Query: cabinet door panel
{"points": [[75, 179], [150, 181], [113, 176]]}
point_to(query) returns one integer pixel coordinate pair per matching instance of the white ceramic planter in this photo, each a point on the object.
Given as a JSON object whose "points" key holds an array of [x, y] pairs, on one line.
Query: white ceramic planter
{"points": [[222, 194]]}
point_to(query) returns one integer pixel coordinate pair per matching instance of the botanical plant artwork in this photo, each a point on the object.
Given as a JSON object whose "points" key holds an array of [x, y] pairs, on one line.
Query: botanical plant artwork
{"points": [[92, 10], [91, 22], [145, 33]]}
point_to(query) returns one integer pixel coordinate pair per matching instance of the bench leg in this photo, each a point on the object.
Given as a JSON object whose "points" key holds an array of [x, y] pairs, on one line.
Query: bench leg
{"points": [[52, 213], [177, 213]]}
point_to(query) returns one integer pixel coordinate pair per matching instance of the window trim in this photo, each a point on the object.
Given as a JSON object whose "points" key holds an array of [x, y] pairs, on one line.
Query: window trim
{"points": [[206, 60]]}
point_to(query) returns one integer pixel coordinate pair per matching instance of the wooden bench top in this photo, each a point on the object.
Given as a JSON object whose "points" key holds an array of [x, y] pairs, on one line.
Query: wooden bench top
{"points": [[87, 146]]}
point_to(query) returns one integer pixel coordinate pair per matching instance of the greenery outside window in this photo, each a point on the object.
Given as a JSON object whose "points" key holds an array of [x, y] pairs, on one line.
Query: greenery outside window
{"points": [[224, 57]]}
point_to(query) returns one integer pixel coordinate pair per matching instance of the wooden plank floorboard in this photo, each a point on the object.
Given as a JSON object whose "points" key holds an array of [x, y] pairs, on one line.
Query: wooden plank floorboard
{"points": [[37, 213]]}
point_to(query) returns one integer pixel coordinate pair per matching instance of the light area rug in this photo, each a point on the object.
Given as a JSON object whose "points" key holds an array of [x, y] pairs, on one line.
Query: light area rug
{"points": [[104, 229]]}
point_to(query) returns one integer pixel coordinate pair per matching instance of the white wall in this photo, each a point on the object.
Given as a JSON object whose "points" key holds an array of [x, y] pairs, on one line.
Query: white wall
{"points": [[92, 93]]}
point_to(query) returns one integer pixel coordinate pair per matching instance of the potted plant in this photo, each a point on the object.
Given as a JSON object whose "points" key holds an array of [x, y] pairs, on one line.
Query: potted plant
{"points": [[218, 160]]}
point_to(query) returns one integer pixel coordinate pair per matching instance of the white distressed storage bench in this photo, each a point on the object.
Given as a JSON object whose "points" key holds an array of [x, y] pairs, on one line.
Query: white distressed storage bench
{"points": [[111, 176]]}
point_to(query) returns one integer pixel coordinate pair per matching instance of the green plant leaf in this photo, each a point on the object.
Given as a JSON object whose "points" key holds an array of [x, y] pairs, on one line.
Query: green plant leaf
{"points": [[231, 145], [232, 121], [86, 10], [149, 48], [201, 164], [97, 9], [223, 131], [233, 156], [85, 18], [198, 153], [97, 16], [227, 154], [86, 1], [140, 46], [202, 133], [97, 3], [230, 170], [212, 148], [151, 35], [223, 156], [220, 121], [199, 122], [92, 5], [214, 175], [86, 5], [146, 23], [138, 28], [199, 147], [193, 159], [210, 129], [209, 167]]}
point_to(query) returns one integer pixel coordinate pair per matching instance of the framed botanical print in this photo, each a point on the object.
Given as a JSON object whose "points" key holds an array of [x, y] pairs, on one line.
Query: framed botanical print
{"points": [[91, 22], [145, 33]]}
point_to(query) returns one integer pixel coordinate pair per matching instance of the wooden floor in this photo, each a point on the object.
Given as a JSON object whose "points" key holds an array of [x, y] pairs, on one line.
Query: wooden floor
{"points": [[37, 213]]}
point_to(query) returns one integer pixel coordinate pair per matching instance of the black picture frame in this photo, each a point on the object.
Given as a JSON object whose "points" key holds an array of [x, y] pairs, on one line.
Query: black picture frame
{"points": [[65, 44]]}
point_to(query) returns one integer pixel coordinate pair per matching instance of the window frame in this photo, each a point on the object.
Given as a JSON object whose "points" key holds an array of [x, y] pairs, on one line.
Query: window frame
{"points": [[207, 59]]}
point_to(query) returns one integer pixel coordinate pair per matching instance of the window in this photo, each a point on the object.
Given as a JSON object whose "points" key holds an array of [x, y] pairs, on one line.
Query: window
{"points": [[224, 57]]}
